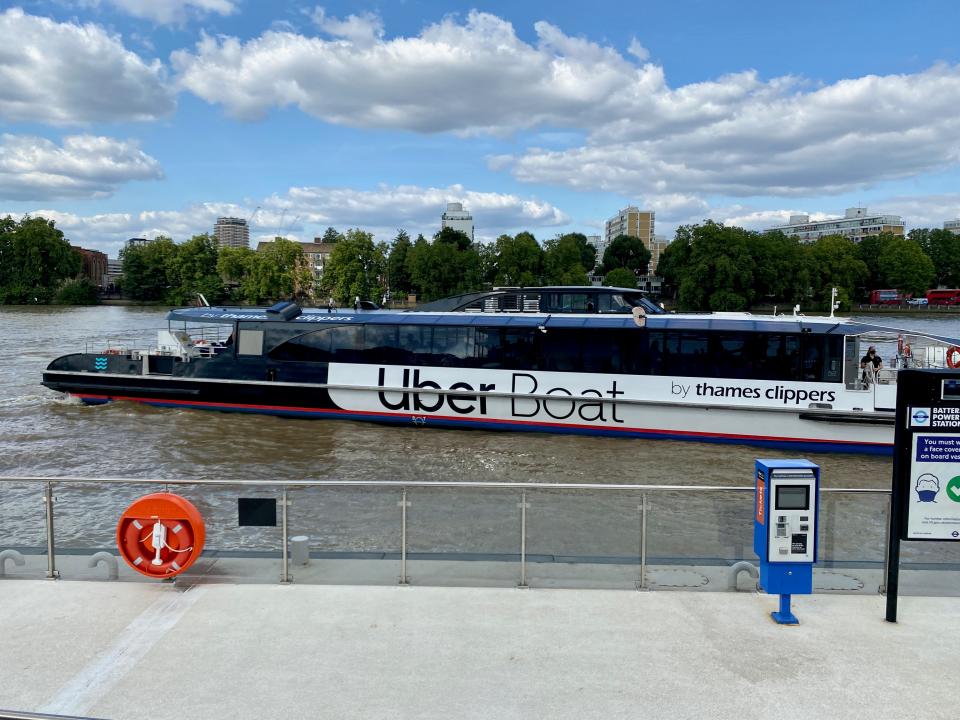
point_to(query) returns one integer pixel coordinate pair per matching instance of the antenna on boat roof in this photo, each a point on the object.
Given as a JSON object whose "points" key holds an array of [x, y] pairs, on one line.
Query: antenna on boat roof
{"points": [[796, 310], [834, 303]]}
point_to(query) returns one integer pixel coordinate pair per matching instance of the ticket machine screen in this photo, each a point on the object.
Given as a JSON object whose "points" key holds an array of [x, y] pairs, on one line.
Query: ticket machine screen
{"points": [[793, 497]]}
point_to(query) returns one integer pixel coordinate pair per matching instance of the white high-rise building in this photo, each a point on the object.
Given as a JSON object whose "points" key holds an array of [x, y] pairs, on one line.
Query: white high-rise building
{"points": [[458, 219], [855, 224], [232, 232], [952, 225], [600, 243]]}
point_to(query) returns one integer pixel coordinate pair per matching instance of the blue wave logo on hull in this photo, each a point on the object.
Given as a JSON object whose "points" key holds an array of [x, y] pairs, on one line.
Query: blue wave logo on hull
{"points": [[100, 364]]}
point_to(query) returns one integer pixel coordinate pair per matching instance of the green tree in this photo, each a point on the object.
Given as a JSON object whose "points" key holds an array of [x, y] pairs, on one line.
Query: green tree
{"points": [[781, 270], [567, 259], [149, 269], [448, 266], [943, 249], [397, 264], [237, 268], [354, 267], [519, 260], [904, 266], [78, 291], [718, 273], [620, 277], [835, 262], [330, 235], [626, 251], [674, 260], [279, 270], [194, 271], [35, 259]]}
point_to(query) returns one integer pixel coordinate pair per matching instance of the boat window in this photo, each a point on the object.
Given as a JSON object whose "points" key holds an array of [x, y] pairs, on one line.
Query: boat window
{"points": [[606, 351], [413, 345], [488, 352], [380, 346], [565, 302], [338, 343], [729, 356], [822, 358], [613, 303], [558, 350], [250, 343], [452, 346], [518, 351], [779, 357]]}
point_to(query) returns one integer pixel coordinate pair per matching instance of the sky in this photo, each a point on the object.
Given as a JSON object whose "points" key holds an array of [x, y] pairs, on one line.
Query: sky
{"points": [[133, 118]]}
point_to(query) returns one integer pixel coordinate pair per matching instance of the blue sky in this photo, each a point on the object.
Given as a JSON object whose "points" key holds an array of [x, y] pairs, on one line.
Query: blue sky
{"points": [[122, 118]]}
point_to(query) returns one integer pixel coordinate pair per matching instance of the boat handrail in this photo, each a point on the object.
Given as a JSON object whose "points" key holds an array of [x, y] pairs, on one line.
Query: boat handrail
{"points": [[408, 484]]}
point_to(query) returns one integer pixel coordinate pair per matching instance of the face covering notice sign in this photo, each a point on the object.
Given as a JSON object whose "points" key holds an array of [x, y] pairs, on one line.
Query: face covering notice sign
{"points": [[934, 504]]}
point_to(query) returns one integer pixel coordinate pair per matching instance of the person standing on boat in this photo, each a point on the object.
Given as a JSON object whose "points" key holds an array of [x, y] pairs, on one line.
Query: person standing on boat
{"points": [[330, 304], [356, 303], [870, 364]]}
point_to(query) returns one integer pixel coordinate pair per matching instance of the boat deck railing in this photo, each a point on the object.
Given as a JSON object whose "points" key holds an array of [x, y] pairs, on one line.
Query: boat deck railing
{"points": [[509, 523]]}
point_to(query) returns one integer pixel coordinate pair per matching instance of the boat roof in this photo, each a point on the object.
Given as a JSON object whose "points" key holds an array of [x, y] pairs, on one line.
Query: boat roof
{"points": [[718, 321]]}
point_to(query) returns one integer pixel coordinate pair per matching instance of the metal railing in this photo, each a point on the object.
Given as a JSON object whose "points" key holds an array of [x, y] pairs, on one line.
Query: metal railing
{"points": [[524, 489]]}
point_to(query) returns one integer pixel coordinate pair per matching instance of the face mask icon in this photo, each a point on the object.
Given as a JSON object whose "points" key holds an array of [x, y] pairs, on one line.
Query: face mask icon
{"points": [[927, 487]]}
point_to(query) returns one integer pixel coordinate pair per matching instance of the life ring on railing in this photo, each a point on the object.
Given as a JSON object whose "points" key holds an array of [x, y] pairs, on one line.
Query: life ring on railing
{"points": [[953, 357], [111, 351], [161, 535]]}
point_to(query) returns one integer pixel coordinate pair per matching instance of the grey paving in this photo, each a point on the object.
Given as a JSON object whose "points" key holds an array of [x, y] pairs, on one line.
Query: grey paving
{"points": [[226, 650]]}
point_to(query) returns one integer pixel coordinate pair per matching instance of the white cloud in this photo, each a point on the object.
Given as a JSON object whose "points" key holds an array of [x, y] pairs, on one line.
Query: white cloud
{"points": [[305, 212], [363, 29], [165, 12], [638, 50], [472, 77], [35, 168], [735, 135], [64, 73]]}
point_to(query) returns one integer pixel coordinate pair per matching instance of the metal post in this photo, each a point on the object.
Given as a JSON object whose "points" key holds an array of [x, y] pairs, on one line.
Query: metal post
{"points": [[285, 560], [404, 580], [642, 585], [886, 544], [52, 572], [523, 540]]}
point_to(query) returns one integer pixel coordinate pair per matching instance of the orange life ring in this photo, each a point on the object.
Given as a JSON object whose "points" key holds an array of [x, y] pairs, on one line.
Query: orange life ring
{"points": [[175, 521], [111, 351], [953, 357]]}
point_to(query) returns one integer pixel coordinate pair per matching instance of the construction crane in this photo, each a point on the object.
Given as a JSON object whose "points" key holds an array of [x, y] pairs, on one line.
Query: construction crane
{"points": [[252, 216]]}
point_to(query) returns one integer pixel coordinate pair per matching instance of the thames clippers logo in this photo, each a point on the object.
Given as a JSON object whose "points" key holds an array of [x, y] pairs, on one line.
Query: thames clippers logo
{"points": [[919, 417]]}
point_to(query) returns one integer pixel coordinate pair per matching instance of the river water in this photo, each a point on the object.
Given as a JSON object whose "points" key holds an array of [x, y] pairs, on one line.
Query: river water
{"points": [[45, 433]]}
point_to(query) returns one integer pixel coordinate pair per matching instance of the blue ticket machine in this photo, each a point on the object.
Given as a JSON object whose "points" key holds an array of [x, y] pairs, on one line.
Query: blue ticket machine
{"points": [[785, 529]]}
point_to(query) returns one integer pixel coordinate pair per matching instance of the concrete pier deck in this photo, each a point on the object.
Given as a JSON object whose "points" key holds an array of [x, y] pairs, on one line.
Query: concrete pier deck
{"points": [[223, 650]]}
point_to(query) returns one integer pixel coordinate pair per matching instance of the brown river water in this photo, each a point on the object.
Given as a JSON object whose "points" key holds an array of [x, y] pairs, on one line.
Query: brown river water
{"points": [[44, 433]]}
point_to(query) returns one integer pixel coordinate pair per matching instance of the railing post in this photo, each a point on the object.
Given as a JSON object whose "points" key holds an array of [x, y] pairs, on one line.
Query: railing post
{"points": [[284, 559], [882, 589], [52, 572], [404, 580], [523, 539], [642, 507]]}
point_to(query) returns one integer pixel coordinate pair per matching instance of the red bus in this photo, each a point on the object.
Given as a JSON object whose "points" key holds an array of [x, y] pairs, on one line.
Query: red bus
{"points": [[887, 297], [944, 297]]}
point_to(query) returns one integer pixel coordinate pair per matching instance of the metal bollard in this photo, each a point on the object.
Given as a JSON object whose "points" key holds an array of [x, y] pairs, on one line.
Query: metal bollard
{"points": [[52, 572], [404, 504], [284, 558], [523, 539], [109, 561], [300, 550]]}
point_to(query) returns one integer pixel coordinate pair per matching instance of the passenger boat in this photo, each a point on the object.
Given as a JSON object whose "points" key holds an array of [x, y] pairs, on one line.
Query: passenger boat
{"points": [[596, 361]]}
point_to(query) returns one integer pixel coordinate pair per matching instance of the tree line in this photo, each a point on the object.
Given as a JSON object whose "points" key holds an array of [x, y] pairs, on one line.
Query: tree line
{"points": [[38, 266], [710, 266]]}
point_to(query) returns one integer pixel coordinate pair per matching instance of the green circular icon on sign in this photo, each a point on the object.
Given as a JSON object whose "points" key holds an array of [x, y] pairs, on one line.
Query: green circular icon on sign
{"points": [[953, 489]]}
